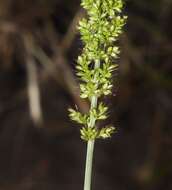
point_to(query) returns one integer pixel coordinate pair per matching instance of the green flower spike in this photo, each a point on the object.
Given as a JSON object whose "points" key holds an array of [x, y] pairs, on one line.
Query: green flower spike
{"points": [[99, 33]]}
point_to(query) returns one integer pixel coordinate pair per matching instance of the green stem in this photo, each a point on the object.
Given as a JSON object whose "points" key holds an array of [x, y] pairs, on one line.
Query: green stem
{"points": [[90, 143], [88, 167]]}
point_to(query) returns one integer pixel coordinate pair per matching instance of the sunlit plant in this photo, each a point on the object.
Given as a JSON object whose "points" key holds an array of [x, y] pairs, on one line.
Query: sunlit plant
{"points": [[99, 33]]}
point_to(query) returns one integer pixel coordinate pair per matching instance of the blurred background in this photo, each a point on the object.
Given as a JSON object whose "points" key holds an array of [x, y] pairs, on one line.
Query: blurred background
{"points": [[40, 147]]}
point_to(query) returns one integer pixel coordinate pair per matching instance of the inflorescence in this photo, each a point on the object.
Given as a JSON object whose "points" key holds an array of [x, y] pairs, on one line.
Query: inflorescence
{"points": [[99, 33]]}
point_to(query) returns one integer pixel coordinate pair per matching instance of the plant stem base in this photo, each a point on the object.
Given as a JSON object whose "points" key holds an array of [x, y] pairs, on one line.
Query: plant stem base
{"points": [[88, 167]]}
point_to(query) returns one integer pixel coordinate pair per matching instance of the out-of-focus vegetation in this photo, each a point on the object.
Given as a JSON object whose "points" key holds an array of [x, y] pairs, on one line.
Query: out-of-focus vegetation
{"points": [[39, 149]]}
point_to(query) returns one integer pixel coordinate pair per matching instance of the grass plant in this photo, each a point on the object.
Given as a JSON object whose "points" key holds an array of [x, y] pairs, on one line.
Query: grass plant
{"points": [[100, 32]]}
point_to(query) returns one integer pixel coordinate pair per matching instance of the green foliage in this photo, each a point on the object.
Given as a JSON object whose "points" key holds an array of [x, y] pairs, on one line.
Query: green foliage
{"points": [[106, 132], [84, 119], [88, 133], [96, 63], [78, 117]]}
